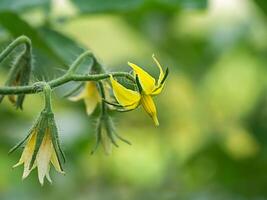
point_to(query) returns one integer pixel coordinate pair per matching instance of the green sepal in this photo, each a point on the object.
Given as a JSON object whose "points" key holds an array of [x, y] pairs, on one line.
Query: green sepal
{"points": [[109, 130], [41, 130], [165, 76], [121, 138], [123, 110], [139, 86], [115, 132], [55, 141], [98, 136], [116, 104], [111, 103], [35, 124]]}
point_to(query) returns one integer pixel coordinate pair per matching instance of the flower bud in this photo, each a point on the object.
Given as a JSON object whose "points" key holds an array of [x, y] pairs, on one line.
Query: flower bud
{"points": [[106, 135], [19, 75], [42, 146]]}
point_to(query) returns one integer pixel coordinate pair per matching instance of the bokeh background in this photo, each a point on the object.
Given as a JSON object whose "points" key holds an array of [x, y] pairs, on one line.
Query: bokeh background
{"points": [[212, 139]]}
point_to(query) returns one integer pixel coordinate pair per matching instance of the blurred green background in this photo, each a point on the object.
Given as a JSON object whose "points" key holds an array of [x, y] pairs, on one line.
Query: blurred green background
{"points": [[212, 139]]}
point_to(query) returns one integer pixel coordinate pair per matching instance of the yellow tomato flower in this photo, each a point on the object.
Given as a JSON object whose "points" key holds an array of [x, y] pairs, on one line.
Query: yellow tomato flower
{"points": [[42, 148], [45, 155], [130, 99], [90, 95]]}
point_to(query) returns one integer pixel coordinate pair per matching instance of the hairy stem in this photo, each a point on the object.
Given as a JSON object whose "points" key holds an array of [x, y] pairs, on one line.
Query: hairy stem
{"points": [[35, 88], [20, 40]]}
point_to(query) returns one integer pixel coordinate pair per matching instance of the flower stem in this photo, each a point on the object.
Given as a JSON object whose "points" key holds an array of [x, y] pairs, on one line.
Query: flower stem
{"points": [[47, 96], [35, 88], [20, 40]]}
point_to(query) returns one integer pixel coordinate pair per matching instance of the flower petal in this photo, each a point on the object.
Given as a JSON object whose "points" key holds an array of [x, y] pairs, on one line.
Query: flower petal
{"points": [[92, 97], [149, 106], [77, 97], [47, 175], [55, 162], [158, 89], [44, 156], [147, 81], [161, 73], [124, 96], [27, 155]]}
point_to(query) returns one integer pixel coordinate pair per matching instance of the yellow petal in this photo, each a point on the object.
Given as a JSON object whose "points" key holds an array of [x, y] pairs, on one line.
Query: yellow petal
{"points": [[160, 85], [147, 81], [92, 97], [44, 156], [149, 106], [161, 73], [55, 162], [124, 96], [27, 153], [77, 97], [47, 175], [158, 89]]}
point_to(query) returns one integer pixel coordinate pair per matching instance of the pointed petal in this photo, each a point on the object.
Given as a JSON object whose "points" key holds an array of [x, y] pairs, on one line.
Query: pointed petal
{"points": [[47, 175], [77, 97], [147, 81], [44, 156], [27, 155], [26, 171], [149, 106], [161, 73], [92, 97], [55, 162], [158, 90], [124, 96]]}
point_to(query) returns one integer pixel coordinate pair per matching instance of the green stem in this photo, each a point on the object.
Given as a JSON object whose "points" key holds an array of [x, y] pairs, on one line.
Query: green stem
{"points": [[47, 96], [20, 40], [79, 60], [69, 76], [35, 88], [103, 96]]}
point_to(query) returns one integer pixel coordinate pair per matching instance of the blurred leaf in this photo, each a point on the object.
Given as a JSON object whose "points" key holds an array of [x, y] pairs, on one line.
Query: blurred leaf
{"points": [[51, 48], [107, 5], [9, 19], [18, 5], [88, 6], [262, 4], [192, 4], [63, 46]]}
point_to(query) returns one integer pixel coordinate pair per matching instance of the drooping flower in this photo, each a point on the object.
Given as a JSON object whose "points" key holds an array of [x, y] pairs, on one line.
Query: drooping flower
{"points": [[42, 148], [147, 88], [106, 135], [90, 95], [19, 75]]}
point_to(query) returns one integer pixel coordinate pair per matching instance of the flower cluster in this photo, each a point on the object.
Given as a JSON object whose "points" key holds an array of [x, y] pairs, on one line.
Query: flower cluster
{"points": [[100, 90], [94, 94], [42, 146]]}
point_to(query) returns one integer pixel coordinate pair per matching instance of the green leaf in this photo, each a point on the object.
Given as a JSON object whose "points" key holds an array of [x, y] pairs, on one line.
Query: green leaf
{"points": [[91, 6], [88, 6], [186, 4], [63, 46], [16, 26], [21, 5], [262, 4]]}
